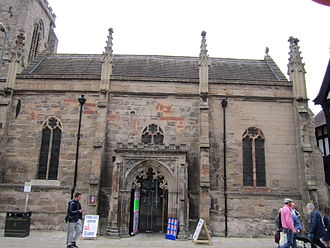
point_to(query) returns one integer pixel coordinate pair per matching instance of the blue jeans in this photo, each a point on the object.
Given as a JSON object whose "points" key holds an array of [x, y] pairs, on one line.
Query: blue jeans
{"points": [[289, 236], [294, 241]]}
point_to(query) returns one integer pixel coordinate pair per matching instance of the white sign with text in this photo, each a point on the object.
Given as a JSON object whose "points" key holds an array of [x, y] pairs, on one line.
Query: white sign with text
{"points": [[90, 226]]}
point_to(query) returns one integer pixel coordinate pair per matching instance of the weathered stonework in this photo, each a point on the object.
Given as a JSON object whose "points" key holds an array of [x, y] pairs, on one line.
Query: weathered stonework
{"points": [[19, 15], [180, 98]]}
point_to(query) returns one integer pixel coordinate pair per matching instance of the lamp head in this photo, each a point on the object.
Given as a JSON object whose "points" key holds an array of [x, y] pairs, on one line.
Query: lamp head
{"points": [[224, 103], [82, 100]]}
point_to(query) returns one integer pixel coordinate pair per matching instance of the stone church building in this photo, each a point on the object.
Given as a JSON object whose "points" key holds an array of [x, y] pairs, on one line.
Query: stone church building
{"points": [[221, 139]]}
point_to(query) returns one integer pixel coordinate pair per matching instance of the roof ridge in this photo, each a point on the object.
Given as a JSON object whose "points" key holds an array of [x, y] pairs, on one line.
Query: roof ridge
{"points": [[80, 55]]}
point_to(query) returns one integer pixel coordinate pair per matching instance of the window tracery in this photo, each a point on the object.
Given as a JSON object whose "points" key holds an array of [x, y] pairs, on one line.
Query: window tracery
{"points": [[50, 149], [152, 134], [253, 146]]}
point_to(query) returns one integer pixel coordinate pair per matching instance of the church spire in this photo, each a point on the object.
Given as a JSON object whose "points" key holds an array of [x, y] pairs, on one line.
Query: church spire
{"points": [[203, 51], [296, 71], [295, 60], [203, 70], [107, 59], [108, 48]]}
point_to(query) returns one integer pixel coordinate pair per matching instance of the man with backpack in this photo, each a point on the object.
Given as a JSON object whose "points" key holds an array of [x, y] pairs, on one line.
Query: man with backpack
{"points": [[74, 218]]}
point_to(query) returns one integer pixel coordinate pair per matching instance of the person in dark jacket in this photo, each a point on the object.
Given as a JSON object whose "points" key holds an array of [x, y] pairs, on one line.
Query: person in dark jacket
{"points": [[326, 225], [74, 217], [297, 225], [316, 228], [278, 225]]}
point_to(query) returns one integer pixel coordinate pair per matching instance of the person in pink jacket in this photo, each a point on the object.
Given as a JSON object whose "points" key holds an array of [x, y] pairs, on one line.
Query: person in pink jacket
{"points": [[287, 222]]}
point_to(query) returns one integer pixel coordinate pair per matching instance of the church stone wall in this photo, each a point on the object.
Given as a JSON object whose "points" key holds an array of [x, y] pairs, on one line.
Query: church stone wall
{"points": [[177, 116], [175, 108], [252, 209], [266, 105], [48, 198]]}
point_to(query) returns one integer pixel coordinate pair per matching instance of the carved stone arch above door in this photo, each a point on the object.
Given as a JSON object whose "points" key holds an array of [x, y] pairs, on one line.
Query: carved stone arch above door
{"points": [[160, 171], [164, 167]]}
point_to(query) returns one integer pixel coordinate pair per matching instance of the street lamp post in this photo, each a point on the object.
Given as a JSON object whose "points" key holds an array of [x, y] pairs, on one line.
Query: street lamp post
{"points": [[3, 29], [81, 100], [224, 104]]}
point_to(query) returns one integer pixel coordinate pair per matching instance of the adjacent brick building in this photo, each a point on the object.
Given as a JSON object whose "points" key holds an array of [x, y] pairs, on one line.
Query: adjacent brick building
{"points": [[153, 128]]}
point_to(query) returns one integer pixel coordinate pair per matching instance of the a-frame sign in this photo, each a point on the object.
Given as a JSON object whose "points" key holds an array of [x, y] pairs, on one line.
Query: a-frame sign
{"points": [[202, 225]]}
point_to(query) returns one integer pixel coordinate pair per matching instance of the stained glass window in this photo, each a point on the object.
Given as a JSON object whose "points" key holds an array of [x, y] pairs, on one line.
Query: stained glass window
{"points": [[50, 149], [254, 171], [152, 134]]}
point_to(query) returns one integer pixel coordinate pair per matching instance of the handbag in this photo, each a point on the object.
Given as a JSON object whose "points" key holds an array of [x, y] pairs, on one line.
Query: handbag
{"points": [[277, 237]]}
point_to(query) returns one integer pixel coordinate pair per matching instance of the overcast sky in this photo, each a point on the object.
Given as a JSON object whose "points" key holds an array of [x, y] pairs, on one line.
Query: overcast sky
{"points": [[235, 29]]}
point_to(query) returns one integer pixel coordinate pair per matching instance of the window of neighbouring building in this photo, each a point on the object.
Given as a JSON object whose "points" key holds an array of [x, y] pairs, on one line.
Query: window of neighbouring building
{"points": [[322, 139], [253, 146], [50, 149]]}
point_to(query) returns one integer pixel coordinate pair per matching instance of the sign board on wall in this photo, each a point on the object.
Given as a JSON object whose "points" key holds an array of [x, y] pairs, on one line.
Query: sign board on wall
{"points": [[92, 199], [91, 223], [27, 187]]}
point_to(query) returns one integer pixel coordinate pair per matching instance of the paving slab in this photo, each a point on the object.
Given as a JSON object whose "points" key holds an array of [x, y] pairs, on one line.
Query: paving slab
{"points": [[57, 239]]}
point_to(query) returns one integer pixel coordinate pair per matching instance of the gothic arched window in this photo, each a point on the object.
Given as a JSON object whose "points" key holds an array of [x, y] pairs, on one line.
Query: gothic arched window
{"points": [[37, 35], [254, 171], [152, 134], [50, 149]]}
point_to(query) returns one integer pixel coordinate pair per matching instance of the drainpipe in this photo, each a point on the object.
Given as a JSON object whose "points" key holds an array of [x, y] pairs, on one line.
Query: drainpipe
{"points": [[224, 104], [3, 29]]}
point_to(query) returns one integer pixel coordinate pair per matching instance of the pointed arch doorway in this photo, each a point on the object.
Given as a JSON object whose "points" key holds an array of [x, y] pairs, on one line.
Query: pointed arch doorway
{"points": [[151, 180], [149, 201]]}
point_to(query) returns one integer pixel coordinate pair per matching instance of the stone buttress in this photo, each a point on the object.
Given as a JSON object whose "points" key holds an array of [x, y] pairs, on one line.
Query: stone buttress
{"points": [[310, 168], [101, 121], [204, 170]]}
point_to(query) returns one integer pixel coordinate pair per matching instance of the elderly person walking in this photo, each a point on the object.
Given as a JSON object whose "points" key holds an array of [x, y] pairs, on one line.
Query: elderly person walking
{"points": [[287, 223], [326, 225], [316, 228]]}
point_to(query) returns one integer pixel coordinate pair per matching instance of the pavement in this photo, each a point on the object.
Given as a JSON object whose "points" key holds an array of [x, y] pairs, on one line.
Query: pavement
{"points": [[57, 239]]}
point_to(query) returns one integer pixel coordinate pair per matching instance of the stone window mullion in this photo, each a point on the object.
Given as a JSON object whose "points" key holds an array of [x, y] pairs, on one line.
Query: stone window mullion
{"points": [[254, 162], [49, 152]]}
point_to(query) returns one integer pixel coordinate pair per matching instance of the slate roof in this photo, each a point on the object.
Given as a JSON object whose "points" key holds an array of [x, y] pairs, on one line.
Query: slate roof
{"points": [[155, 66], [319, 119]]}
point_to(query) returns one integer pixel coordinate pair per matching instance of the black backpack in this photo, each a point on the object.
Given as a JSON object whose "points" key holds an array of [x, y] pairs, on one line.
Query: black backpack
{"points": [[280, 221], [67, 213]]}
